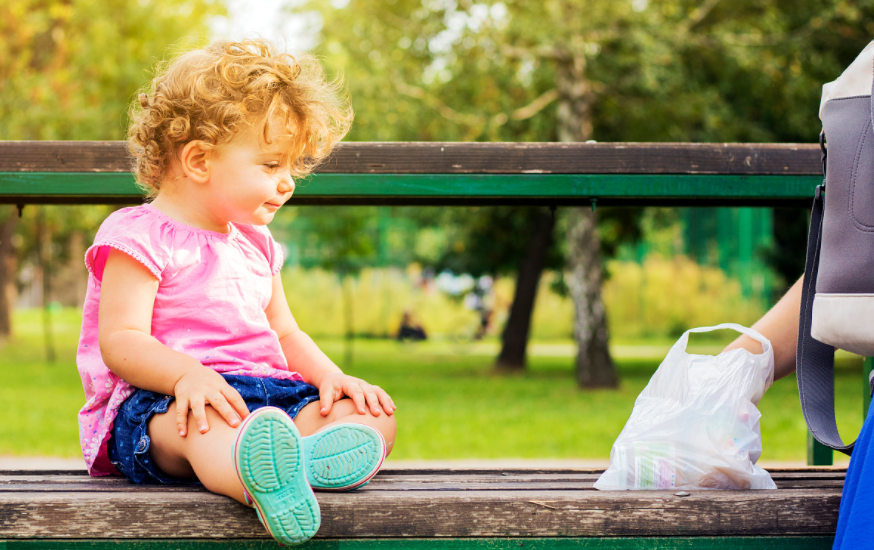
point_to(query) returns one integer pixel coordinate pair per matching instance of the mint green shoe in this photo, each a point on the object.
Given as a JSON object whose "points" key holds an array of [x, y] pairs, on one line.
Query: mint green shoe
{"points": [[269, 455], [343, 457]]}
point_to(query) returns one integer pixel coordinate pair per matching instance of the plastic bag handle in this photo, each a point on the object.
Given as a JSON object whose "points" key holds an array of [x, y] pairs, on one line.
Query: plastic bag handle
{"points": [[752, 333]]}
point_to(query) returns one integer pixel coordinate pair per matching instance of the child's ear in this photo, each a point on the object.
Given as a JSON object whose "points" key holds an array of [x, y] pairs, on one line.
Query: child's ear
{"points": [[194, 161]]}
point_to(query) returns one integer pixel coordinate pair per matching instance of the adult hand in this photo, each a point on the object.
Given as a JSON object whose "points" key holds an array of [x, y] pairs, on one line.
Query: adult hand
{"points": [[201, 386], [335, 385]]}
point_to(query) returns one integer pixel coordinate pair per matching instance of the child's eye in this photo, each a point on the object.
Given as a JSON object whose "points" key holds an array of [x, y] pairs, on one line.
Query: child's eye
{"points": [[272, 165]]}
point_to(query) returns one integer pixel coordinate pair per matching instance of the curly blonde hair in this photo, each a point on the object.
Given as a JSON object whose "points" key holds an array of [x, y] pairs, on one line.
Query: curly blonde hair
{"points": [[215, 93]]}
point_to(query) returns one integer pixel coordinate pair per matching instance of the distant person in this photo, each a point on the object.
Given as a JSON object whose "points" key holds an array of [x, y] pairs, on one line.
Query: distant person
{"points": [[192, 309], [409, 330], [485, 321], [480, 299]]}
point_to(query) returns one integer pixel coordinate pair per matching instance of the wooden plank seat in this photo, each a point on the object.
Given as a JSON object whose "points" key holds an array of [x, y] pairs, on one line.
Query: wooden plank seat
{"points": [[552, 508]]}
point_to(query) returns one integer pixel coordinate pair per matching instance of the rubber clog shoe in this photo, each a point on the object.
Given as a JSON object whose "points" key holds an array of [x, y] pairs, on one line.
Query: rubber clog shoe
{"points": [[343, 457], [271, 464]]}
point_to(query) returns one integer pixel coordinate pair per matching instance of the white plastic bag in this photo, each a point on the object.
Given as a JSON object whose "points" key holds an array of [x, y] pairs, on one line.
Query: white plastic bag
{"points": [[696, 425]]}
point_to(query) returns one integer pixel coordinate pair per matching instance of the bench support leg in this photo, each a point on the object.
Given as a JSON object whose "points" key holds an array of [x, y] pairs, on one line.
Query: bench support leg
{"points": [[817, 453]]}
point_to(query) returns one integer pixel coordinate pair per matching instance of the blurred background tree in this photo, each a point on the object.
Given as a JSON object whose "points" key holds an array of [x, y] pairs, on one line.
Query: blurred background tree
{"points": [[346, 243], [627, 70], [565, 70], [636, 70], [68, 71]]}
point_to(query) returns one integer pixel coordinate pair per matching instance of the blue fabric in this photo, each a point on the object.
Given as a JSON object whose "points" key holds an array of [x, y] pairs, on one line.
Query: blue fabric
{"points": [[128, 446], [855, 521]]}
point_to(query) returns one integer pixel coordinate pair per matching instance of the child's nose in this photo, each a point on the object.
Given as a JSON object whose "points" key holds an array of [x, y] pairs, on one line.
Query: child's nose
{"points": [[286, 184]]}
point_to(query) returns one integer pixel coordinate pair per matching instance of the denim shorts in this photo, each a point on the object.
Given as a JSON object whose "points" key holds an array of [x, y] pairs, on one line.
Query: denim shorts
{"points": [[128, 447]]}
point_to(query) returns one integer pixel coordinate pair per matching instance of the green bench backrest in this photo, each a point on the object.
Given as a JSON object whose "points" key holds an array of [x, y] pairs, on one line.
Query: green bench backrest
{"points": [[560, 174]]}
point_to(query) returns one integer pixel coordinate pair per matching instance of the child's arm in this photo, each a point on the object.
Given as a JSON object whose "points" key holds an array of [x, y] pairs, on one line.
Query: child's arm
{"points": [[780, 326], [305, 357], [127, 296]]}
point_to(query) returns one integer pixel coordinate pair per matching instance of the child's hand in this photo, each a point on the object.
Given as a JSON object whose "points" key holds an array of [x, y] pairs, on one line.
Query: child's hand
{"points": [[335, 385], [200, 386]]}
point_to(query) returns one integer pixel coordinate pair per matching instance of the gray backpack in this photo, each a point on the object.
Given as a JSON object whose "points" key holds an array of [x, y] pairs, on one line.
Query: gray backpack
{"points": [[837, 301]]}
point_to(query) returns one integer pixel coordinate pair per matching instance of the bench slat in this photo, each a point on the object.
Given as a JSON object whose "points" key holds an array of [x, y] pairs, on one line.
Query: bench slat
{"points": [[469, 158], [505, 484], [455, 514], [447, 504], [643, 543], [452, 189]]}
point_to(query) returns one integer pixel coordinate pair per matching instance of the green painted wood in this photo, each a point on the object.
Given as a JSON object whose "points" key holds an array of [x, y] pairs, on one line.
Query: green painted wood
{"points": [[32, 187], [647, 543], [817, 453], [562, 185], [107, 184]]}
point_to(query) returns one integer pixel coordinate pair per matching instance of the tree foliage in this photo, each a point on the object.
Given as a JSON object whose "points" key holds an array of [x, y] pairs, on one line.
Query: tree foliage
{"points": [[69, 68], [659, 70], [611, 70], [68, 71]]}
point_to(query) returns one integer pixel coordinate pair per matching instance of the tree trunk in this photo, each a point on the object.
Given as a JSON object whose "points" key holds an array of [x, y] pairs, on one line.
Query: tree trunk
{"points": [[514, 340], [44, 256], [7, 272], [348, 317], [77, 267], [594, 367]]}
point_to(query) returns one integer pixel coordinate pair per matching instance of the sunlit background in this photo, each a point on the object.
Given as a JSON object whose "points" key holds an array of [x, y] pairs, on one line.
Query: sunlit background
{"points": [[446, 70]]}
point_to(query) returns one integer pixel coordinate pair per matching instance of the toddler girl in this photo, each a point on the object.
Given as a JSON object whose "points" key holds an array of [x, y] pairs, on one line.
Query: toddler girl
{"points": [[185, 304]]}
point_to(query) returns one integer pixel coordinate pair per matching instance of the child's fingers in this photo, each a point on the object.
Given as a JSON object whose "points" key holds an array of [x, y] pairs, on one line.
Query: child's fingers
{"points": [[198, 409], [236, 401], [224, 408], [182, 414], [373, 402], [387, 404], [326, 398], [357, 395]]}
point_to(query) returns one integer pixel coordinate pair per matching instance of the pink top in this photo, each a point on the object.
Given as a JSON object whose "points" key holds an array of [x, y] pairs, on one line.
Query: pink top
{"points": [[210, 304]]}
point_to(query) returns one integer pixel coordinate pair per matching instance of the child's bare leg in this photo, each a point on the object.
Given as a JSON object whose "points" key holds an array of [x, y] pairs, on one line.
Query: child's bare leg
{"points": [[206, 456], [309, 420]]}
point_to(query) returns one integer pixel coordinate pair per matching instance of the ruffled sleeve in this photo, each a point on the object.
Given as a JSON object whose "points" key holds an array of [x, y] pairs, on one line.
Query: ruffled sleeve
{"points": [[261, 237], [134, 231]]}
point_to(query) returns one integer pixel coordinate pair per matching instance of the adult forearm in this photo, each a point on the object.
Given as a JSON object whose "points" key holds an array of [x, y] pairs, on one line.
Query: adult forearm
{"points": [[780, 327], [144, 362], [305, 357]]}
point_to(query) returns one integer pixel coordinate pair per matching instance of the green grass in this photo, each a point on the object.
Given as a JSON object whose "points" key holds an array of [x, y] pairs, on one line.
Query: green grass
{"points": [[451, 403], [40, 399]]}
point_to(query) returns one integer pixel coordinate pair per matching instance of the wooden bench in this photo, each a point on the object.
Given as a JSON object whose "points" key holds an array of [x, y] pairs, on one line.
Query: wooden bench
{"points": [[442, 509], [427, 509]]}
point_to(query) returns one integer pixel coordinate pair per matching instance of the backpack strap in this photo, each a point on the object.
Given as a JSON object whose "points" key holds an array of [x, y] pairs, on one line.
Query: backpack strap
{"points": [[814, 361]]}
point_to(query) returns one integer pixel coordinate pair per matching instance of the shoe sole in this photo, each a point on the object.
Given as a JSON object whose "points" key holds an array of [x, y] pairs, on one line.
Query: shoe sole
{"points": [[343, 457], [269, 457]]}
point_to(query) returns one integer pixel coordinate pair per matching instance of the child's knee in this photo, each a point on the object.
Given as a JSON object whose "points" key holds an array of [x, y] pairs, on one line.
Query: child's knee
{"points": [[388, 427], [346, 408], [385, 423]]}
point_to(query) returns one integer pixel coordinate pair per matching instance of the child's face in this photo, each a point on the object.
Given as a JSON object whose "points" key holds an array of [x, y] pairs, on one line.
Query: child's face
{"points": [[249, 183]]}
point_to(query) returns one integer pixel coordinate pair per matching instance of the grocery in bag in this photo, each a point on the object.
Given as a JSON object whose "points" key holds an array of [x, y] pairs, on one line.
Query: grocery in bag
{"points": [[696, 425]]}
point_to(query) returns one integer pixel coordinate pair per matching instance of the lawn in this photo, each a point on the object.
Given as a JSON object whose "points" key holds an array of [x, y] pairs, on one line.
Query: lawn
{"points": [[451, 403]]}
